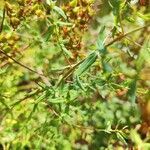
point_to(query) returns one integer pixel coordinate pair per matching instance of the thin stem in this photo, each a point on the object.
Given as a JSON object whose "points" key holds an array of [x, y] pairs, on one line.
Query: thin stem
{"points": [[22, 65], [70, 71], [124, 35], [134, 42]]}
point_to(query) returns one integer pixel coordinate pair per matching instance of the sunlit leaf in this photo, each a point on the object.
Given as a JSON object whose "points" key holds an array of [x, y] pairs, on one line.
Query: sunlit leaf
{"points": [[56, 100], [86, 64], [80, 83], [60, 12], [67, 52], [121, 138]]}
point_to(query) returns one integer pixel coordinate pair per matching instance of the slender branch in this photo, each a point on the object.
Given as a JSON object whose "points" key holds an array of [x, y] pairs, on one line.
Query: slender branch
{"points": [[22, 65], [2, 23], [124, 35], [45, 80], [26, 97], [134, 42], [70, 71]]}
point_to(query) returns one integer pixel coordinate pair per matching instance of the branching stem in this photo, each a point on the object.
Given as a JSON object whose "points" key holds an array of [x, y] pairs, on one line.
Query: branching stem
{"points": [[22, 65], [70, 71]]}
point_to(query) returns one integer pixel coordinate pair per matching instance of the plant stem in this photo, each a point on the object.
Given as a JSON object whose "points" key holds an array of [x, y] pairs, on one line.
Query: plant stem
{"points": [[70, 71], [22, 65], [124, 35]]}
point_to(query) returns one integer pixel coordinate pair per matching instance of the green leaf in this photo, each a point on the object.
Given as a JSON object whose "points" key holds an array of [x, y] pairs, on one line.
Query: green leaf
{"points": [[79, 83], [121, 138], [41, 97], [132, 91], [100, 40], [68, 53], [56, 100], [143, 56], [146, 146], [4, 103], [135, 137], [116, 6], [108, 126], [106, 66], [146, 17], [32, 112], [73, 3], [61, 23], [49, 33], [48, 2], [86, 64], [60, 12]]}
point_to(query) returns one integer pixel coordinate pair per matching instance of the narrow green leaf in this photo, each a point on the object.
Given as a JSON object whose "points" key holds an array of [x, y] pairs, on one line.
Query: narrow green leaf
{"points": [[49, 33], [68, 53], [86, 64], [73, 3], [121, 138], [132, 91], [146, 17], [56, 100], [48, 2], [60, 12], [116, 6], [144, 56], [40, 98], [32, 112], [2, 101], [80, 83], [61, 23], [100, 40], [106, 67], [135, 137]]}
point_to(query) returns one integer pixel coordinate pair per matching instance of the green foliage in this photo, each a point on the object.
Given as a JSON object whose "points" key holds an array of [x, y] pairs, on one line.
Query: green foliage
{"points": [[74, 78]]}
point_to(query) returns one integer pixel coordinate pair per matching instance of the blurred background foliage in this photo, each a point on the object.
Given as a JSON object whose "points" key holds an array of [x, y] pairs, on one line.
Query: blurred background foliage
{"points": [[74, 74]]}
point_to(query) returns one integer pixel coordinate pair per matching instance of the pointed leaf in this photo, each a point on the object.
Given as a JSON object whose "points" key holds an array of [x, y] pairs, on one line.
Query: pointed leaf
{"points": [[56, 100], [132, 91], [121, 138], [86, 64], [68, 53], [80, 83], [100, 40], [60, 12]]}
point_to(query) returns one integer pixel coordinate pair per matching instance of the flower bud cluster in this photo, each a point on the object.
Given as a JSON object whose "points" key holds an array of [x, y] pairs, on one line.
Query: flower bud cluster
{"points": [[79, 13]]}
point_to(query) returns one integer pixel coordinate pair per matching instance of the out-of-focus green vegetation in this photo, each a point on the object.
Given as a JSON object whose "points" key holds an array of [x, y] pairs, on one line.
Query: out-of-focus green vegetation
{"points": [[74, 75]]}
